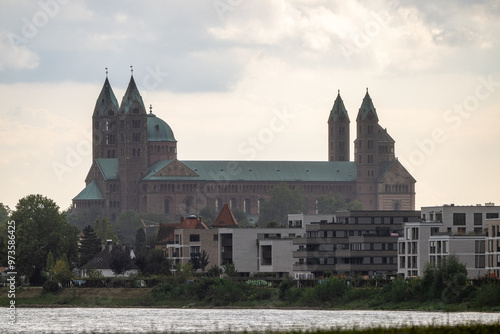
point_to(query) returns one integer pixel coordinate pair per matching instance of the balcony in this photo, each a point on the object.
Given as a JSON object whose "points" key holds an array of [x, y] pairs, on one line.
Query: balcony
{"points": [[227, 255], [227, 242]]}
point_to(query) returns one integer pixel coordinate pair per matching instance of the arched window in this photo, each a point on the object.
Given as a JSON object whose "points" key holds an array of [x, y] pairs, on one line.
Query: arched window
{"points": [[188, 206], [260, 203], [166, 206], [218, 205], [246, 206], [232, 203], [397, 205]]}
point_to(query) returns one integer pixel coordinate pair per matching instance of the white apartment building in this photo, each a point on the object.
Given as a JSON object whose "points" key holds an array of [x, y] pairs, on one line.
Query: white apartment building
{"points": [[259, 250], [493, 247], [445, 230]]}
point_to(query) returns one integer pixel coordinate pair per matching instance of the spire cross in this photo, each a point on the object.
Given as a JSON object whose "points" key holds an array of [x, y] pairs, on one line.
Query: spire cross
{"points": [[150, 108], [106, 72], [131, 69]]}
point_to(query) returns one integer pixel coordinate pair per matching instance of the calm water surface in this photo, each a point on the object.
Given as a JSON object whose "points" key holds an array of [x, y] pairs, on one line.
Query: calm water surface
{"points": [[143, 320]]}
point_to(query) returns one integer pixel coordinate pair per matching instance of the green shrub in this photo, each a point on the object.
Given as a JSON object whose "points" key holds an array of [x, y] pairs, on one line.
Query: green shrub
{"points": [[51, 286], [328, 292], [284, 286], [400, 290], [447, 281], [261, 293], [162, 290], [487, 295], [225, 292]]}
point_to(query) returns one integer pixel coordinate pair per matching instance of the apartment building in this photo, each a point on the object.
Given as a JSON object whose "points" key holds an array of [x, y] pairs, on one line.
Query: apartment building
{"points": [[259, 250], [352, 243], [445, 230], [493, 247]]}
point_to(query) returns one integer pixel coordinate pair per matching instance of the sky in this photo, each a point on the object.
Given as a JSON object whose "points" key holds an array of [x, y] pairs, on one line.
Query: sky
{"points": [[254, 80]]}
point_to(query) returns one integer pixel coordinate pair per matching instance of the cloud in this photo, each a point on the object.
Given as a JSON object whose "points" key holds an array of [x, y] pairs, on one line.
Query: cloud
{"points": [[14, 54]]}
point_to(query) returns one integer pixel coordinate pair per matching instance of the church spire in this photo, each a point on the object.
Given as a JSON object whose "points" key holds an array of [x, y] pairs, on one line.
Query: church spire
{"points": [[338, 132], [366, 108], [132, 100], [338, 109], [106, 102]]}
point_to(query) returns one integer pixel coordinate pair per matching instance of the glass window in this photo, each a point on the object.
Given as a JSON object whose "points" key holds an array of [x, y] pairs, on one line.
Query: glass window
{"points": [[458, 218]]}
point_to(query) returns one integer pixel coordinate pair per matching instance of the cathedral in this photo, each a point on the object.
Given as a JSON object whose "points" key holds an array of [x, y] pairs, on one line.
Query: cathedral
{"points": [[135, 166]]}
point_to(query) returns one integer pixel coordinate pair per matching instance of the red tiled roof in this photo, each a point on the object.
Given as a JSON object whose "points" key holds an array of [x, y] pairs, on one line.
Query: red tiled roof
{"points": [[192, 223], [225, 218], [166, 231]]}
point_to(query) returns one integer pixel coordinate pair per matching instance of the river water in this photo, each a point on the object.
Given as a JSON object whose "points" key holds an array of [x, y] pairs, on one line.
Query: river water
{"points": [[146, 320]]}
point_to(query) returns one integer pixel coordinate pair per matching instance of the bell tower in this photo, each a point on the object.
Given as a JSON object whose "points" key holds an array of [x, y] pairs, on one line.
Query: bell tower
{"points": [[104, 124], [365, 154], [133, 139], [338, 132]]}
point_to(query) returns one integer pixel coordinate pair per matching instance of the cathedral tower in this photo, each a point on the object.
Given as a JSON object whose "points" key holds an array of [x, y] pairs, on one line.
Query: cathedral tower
{"points": [[365, 153], [338, 132], [104, 124], [133, 155]]}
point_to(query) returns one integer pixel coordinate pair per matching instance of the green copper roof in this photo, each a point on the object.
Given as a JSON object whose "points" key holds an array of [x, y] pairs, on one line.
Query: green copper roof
{"points": [[366, 108], [108, 168], [338, 109], [158, 129], [223, 171], [90, 192], [132, 97], [106, 101]]}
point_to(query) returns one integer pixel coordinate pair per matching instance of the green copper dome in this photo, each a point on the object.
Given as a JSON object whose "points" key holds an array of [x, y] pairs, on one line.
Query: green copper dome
{"points": [[158, 129]]}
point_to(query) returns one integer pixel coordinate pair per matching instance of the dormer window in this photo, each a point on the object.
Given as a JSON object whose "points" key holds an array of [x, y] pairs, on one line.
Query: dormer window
{"points": [[111, 112]]}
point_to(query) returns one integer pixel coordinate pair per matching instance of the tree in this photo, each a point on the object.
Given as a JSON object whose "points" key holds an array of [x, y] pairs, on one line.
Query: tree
{"points": [[331, 203], [104, 230], [355, 205], [121, 263], [50, 263], [127, 225], [214, 271], [241, 217], [61, 270], [82, 218], [4, 213], [90, 245], [282, 201], [40, 229], [230, 269], [140, 242], [154, 263], [447, 280], [200, 261], [208, 214]]}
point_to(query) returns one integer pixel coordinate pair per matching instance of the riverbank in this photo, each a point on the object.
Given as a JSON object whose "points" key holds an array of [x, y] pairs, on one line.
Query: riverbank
{"points": [[361, 299]]}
